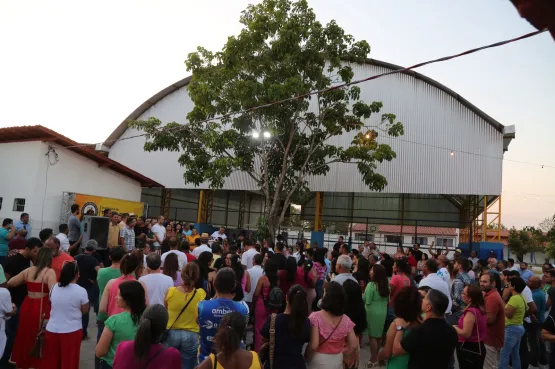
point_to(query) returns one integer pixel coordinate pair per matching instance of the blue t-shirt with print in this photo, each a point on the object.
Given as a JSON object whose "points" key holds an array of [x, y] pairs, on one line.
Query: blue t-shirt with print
{"points": [[210, 313], [4, 241]]}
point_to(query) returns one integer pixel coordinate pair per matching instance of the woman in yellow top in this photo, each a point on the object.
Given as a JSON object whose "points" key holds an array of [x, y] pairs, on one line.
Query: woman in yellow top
{"points": [[514, 329], [228, 346], [182, 303]]}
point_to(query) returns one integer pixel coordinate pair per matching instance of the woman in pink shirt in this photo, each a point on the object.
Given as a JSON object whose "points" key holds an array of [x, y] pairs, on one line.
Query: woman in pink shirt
{"points": [[400, 279], [146, 351], [108, 302], [331, 332]]}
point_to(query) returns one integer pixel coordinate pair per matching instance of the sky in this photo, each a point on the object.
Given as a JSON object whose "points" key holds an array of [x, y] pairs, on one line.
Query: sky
{"points": [[80, 68]]}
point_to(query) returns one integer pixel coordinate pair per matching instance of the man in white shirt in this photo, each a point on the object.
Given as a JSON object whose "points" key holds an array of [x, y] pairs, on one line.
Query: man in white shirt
{"points": [[512, 265], [156, 283], [474, 259], [65, 245], [254, 273], [443, 273], [203, 246], [433, 280], [219, 233], [181, 257], [248, 254], [343, 267], [159, 233]]}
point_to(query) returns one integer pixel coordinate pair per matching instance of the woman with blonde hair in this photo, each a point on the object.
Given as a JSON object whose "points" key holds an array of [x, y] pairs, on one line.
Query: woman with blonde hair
{"points": [[182, 304], [39, 280]]}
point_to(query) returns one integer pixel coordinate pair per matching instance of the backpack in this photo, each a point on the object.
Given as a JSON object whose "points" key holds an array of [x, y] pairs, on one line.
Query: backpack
{"points": [[274, 300]]}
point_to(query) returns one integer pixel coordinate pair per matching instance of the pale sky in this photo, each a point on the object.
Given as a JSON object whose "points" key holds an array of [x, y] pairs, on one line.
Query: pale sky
{"points": [[80, 68]]}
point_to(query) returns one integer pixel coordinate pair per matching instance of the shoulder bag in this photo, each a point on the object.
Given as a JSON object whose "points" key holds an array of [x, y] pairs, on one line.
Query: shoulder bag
{"points": [[271, 346], [309, 353], [37, 349], [154, 356], [165, 335]]}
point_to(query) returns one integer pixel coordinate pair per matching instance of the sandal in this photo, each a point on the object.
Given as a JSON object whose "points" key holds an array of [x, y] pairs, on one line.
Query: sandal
{"points": [[371, 364]]}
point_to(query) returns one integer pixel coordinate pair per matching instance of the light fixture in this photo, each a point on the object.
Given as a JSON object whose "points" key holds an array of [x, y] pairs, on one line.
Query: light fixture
{"points": [[368, 135], [452, 153], [255, 134], [267, 134]]}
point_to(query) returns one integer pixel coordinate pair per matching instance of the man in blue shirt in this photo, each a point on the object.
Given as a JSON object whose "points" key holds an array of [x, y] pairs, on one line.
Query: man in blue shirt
{"points": [[212, 311], [525, 273], [23, 223], [538, 353]]}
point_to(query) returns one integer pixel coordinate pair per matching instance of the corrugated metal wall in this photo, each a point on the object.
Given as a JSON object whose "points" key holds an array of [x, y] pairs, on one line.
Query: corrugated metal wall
{"points": [[435, 123]]}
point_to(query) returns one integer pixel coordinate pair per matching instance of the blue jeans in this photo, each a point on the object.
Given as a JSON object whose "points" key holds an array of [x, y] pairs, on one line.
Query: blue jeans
{"points": [[100, 325], [92, 300], [513, 334], [187, 344]]}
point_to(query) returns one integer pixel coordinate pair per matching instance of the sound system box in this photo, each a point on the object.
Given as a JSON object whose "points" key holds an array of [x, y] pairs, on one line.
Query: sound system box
{"points": [[95, 228]]}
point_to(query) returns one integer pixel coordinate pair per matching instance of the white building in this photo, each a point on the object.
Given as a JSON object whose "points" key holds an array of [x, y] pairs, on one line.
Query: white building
{"points": [[449, 158], [39, 165]]}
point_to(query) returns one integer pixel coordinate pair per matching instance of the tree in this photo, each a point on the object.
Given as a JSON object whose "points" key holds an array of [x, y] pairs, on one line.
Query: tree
{"points": [[550, 240], [281, 53], [529, 239], [547, 224], [494, 226]]}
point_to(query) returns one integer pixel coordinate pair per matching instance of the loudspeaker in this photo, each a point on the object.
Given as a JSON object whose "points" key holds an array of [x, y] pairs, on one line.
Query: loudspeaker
{"points": [[95, 228]]}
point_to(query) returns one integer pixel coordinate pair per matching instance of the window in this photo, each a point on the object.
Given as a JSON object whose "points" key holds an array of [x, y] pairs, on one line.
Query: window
{"points": [[392, 239], [444, 242], [19, 205], [365, 237], [420, 240]]}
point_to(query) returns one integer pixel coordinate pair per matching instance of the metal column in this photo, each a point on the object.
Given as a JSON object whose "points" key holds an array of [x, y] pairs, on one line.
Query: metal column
{"points": [[318, 218], [166, 202], [205, 206]]}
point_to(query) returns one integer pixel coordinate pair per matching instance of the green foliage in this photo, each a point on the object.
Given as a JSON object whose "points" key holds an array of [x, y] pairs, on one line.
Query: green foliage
{"points": [[550, 240], [494, 226], [524, 241], [262, 232], [547, 224], [281, 52]]}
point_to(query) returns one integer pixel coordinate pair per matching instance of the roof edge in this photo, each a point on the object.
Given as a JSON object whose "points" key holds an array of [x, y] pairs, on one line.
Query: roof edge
{"points": [[119, 131]]}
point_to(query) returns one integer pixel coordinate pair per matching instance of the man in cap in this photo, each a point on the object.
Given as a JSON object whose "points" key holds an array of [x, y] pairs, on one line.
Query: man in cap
{"points": [[203, 245]]}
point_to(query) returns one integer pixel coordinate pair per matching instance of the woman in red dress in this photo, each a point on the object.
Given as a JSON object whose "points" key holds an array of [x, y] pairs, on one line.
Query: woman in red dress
{"points": [[39, 279]]}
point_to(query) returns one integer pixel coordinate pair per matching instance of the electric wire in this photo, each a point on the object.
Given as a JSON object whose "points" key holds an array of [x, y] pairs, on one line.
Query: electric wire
{"points": [[344, 85]]}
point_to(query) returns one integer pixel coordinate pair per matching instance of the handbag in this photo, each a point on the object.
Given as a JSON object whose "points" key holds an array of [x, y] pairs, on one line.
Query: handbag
{"points": [[479, 341], [165, 335], [271, 346], [309, 353], [37, 349]]}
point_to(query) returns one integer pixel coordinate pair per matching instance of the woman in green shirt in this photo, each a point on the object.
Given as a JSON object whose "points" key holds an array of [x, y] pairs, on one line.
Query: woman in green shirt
{"points": [[122, 326], [376, 296], [407, 305], [514, 329]]}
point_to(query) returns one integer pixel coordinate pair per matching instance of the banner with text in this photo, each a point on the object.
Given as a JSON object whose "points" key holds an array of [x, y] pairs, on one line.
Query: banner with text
{"points": [[95, 205]]}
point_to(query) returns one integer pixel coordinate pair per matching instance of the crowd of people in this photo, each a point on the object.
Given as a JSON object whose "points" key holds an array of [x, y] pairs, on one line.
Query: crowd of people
{"points": [[166, 296]]}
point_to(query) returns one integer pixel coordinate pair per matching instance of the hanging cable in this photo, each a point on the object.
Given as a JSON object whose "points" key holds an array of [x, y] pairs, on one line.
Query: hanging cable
{"points": [[446, 58]]}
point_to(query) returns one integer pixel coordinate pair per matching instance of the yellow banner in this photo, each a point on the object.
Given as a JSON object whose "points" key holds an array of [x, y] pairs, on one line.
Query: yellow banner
{"points": [[95, 205]]}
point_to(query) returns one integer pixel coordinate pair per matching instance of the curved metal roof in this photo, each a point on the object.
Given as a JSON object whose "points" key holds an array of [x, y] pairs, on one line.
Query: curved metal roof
{"points": [[118, 132]]}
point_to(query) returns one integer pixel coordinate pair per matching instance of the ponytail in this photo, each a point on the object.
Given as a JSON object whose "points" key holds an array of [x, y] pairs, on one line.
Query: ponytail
{"points": [[229, 335], [151, 328], [68, 274], [298, 305]]}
